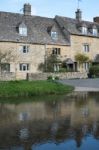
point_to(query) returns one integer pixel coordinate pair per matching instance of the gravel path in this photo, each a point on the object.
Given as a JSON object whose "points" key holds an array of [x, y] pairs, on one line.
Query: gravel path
{"points": [[83, 84]]}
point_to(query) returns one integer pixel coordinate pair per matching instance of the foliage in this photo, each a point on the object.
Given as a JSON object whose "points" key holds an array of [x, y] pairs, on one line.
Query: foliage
{"points": [[48, 66], [63, 69], [52, 78], [94, 71], [49, 78], [56, 78], [81, 58], [5, 57], [31, 88], [41, 67]]}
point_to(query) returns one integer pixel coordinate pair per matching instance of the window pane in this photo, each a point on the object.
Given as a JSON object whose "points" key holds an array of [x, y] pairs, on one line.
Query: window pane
{"points": [[23, 31], [95, 32], [24, 67], [84, 30], [86, 48], [56, 51], [54, 35]]}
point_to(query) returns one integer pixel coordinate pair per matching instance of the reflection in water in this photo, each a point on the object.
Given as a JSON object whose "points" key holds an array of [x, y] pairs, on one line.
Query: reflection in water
{"points": [[71, 123], [24, 134]]}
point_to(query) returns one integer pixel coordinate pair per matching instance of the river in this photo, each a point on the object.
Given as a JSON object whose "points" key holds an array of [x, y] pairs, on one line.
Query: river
{"points": [[69, 123]]}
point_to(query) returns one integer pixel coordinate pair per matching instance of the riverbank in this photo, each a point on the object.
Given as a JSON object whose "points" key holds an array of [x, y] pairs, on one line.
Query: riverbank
{"points": [[32, 88]]}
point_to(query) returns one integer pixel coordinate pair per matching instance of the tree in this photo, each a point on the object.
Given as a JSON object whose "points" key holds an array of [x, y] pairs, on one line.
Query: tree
{"points": [[50, 64], [5, 58], [81, 58]]}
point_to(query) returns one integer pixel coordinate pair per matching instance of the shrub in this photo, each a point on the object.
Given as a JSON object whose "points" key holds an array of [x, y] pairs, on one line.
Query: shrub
{"points": [[52, 78], [94, 71], [56, 78], [49, 78]]}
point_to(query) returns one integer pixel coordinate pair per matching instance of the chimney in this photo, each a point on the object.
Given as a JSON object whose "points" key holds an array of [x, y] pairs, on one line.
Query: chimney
{"points": [[27, 9], [78, 15], [96, 19]]}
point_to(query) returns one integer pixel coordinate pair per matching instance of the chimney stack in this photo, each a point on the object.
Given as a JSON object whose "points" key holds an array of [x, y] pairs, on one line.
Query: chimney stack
{"points": [[78, 15], [27, 9]]}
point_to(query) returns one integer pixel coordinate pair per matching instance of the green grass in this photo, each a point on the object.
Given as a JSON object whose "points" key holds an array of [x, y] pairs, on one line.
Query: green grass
{"points": [[32, 88]]}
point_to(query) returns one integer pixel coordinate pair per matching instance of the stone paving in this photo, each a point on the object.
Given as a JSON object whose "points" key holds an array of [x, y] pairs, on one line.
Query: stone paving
{"points": [[83, 84]]}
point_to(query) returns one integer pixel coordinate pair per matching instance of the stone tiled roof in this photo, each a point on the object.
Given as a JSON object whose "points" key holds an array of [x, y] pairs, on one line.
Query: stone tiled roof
{"points": [[37, 29], [72, 26]]}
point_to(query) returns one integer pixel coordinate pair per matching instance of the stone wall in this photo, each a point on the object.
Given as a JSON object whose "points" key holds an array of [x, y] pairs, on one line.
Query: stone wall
{"points": [[44, 76], [7, 76]]}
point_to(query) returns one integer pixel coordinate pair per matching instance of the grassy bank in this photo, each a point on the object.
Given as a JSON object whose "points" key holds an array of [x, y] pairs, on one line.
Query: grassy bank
{"points": [[33, 88]]}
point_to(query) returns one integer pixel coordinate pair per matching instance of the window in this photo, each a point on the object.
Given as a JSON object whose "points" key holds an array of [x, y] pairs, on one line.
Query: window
{"points": [[25, 49], [23, 30], [5, 67], [84, 30], [56, 51], [24, 67], [54, 35], [86, 66], [86, 47], [94, 32], [56, 67]]}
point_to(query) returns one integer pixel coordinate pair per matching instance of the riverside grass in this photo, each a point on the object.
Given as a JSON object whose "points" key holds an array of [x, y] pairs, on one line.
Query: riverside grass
{"points": [[32, 88]]}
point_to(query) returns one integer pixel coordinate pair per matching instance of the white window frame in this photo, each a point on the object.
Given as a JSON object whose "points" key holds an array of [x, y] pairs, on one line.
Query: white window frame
{"points": [[23, 31], [94, 32], [25, 48], [86, 48], [24, 66], [54, 35], [84, 30], [86, 66]]}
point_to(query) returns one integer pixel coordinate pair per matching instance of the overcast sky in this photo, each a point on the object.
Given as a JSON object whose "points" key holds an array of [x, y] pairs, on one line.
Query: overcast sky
{"points": [[50, 8]]}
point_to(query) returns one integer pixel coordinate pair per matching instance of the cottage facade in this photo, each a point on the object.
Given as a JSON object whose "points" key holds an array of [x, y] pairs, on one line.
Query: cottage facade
{"points": [[31, 39]]}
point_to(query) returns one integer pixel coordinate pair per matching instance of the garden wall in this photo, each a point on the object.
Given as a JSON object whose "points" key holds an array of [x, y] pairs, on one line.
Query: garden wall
{"points": [[44, 76]]}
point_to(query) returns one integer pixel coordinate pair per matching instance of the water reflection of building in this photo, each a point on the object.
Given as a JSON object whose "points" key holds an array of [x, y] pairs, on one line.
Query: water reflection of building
{"points": [[37, 122]]}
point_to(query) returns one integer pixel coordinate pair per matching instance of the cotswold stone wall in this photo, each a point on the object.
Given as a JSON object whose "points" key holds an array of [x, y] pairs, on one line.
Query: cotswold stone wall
{"points": [[7, 76], [44, 76]]}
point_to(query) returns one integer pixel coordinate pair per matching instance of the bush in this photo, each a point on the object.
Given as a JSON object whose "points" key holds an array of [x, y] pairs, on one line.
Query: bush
{"points": [[52, 78], [49, 78], [94, 71], [62, 70], [56, 78]]}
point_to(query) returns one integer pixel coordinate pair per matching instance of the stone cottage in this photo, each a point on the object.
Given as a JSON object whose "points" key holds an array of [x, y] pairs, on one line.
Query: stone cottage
{"points": [[31, 39]]}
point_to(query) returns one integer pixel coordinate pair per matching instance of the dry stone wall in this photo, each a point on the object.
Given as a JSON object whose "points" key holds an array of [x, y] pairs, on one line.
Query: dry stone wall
{"points": [[44, 76]]}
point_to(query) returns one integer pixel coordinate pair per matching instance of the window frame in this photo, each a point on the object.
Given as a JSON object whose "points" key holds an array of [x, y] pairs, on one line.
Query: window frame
{"points": [[86, 48], [56, 51], [22, 29], [84, 30], [94, 32], [54, 35], [24, 66], [25, 49], [6, 67], [86, 65]]}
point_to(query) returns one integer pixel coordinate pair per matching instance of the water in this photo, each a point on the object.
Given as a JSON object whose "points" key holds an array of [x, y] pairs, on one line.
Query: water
{"points": [[71, 123]]}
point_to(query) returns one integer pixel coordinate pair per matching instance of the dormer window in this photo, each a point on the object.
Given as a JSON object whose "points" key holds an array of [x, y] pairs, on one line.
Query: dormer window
{"points": [[94, 32], [23, 29], [84, 30], [54, 35]]}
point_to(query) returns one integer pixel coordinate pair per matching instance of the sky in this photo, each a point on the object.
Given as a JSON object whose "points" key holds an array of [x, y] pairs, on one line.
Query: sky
{"points": [[50, 8]]}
